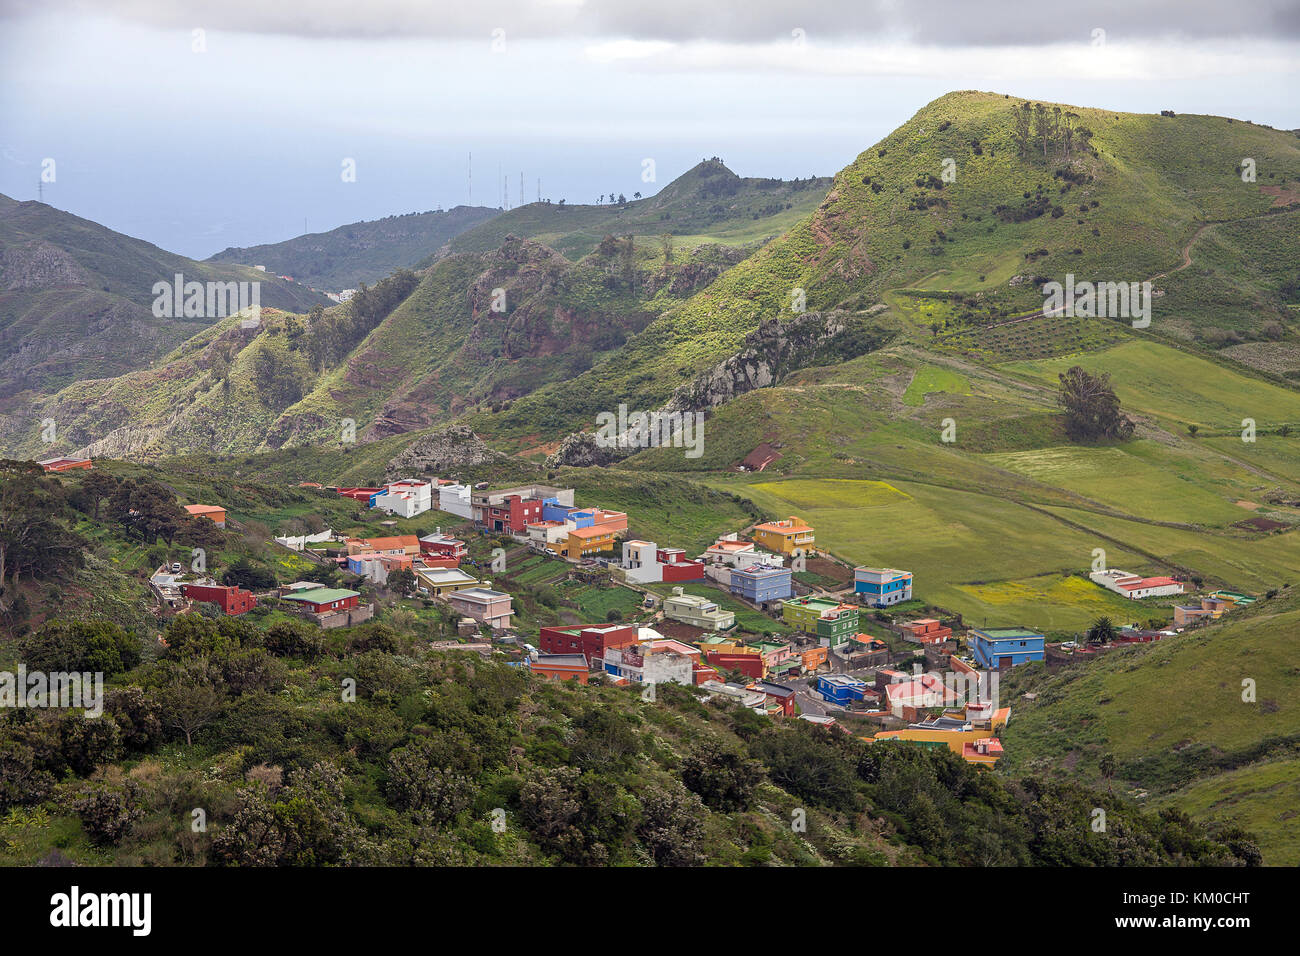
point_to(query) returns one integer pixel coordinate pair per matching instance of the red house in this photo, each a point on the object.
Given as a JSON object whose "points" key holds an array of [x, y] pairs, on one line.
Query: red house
{"points": [[512, 514], [751, 665], [443, 546], [590, 642], [359, 494], [778, 695], [64, 464], [677, 567], [324, 600], [231, 600]]}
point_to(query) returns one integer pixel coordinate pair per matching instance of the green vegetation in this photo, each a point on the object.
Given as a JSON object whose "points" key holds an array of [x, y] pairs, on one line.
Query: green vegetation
{"points": [[447, 759], [360, 252], [1208, 721]]}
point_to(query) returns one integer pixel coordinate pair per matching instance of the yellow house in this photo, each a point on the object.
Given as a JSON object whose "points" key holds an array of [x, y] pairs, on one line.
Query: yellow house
{"points": [[973, 740], [784, 536], [584, 541]]}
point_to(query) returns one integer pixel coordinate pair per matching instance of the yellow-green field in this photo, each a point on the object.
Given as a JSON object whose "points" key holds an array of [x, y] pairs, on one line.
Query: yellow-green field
{"points": [[999, 561], [1143, 478], [1176, 387], [991, 559]]}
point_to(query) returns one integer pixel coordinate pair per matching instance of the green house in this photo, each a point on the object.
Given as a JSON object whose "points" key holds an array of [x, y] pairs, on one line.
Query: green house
{"points": [[832, 622]]}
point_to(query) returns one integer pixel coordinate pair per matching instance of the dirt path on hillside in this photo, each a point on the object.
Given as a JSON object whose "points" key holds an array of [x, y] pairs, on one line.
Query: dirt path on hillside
{"points": [[1187, 261]]}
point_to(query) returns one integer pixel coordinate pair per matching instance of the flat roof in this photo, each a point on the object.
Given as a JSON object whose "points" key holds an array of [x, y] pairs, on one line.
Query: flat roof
{"points": [[322, 595], [486, 594], [1007, 632]]}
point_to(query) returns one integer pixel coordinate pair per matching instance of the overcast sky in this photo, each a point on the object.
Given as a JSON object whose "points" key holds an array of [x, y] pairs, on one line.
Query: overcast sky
{"points": [[238, 133]]}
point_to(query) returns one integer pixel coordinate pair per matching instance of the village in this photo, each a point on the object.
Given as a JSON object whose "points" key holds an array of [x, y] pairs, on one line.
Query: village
{"points": [[762, 618]]}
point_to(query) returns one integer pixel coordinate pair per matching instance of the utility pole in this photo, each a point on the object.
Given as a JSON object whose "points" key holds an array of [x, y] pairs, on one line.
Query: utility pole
{"points": [[470, 181]]}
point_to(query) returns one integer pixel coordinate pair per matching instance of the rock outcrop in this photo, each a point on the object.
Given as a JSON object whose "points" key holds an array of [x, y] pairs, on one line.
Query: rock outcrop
{"points": [[455, 446], [770, 353]]}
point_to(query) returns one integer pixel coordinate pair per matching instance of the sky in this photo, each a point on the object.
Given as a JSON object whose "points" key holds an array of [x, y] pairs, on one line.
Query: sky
{"points": [[203, 124]]}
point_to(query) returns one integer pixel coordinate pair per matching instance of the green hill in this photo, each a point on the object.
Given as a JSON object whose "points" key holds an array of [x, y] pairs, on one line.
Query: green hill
{"points": [[358, 252], [75, 299], [707, 203], [1135, 196], [1175, 719]]}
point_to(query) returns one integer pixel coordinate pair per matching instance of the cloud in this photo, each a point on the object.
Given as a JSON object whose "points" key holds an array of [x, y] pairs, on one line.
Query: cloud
{"points": [[942, 23]]}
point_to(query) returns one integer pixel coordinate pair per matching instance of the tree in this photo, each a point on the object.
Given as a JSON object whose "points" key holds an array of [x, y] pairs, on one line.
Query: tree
{"points": [[97, 486], [1107, 767], [188, 702], [243, 573], [1092, 411], [724, 778], [402, 581], [81, 646], [33, 538], [1102, 631], [1193, 429]]}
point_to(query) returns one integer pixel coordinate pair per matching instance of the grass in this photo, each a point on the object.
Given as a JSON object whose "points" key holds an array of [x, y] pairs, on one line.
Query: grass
{"points": [[933, 378], [1177, 388], [1175, 718], [956, 543], [1261, 798]]}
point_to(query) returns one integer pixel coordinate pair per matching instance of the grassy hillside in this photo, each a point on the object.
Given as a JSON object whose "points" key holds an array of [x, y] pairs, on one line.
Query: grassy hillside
{"points": [[75, 300], [1173, 717], [707, 203], [971, 253], [358, 252]]}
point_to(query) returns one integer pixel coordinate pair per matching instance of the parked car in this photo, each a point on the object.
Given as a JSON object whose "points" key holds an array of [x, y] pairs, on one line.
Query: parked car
{"points": [[552, 552], [176, 567]]}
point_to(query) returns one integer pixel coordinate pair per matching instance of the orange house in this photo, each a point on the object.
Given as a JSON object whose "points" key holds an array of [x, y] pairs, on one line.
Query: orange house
{"points": [[217, 515], [396, 544], [560, 667], [585, 541], [815, 657]]}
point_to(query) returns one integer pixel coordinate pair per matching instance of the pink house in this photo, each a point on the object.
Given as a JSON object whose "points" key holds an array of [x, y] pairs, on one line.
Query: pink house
{"points": [[483, 605]]}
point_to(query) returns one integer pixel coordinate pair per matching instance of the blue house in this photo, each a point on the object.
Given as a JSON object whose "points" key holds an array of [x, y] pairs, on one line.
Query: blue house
{"points": [[881, 587], [841, 688], [552, 510], [997, 647], [760, 583]]}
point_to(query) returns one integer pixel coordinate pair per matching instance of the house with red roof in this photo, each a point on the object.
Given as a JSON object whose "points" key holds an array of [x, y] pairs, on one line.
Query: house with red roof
{"points": [[1134, 587]]}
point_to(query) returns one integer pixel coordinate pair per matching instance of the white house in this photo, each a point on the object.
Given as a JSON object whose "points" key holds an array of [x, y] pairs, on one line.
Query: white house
{"points": [[454, 499], [1134, 587], [730, 551], [640, 562], [653, 662], [406, 498]]}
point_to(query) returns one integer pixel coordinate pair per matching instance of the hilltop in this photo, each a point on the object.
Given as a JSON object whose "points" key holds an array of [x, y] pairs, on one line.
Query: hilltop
{"points": [[708, 202], [366, 251], [1137, 198], [76, 297]]}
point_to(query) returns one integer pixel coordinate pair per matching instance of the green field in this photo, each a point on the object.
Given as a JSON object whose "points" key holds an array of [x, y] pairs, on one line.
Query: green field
{"points": [[1177, 388], [944, 537]]}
